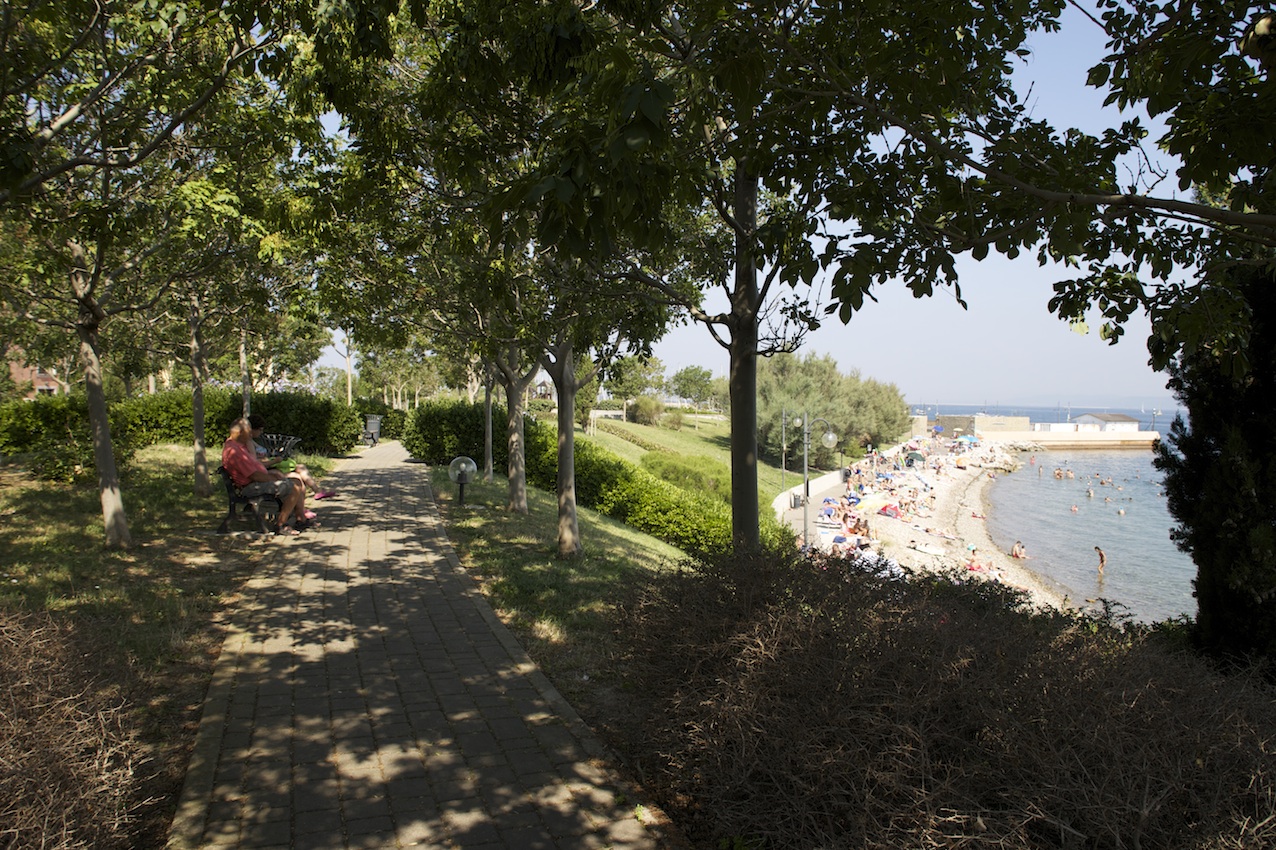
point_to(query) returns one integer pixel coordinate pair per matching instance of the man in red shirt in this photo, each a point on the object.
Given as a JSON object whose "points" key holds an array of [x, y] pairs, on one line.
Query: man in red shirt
{"points": [[254, 479]]}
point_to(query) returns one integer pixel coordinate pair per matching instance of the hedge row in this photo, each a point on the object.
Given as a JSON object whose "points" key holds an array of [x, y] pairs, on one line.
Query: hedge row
{"points": [[629, 436], [438, 432], [51, 433]]}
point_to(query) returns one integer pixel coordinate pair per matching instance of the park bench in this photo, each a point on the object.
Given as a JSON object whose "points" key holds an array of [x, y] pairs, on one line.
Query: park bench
{"points": [[260, 506], [279, 445]]}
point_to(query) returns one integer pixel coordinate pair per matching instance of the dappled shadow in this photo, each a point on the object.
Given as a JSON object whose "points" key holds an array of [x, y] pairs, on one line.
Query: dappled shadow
{"points": [[366, 696]]}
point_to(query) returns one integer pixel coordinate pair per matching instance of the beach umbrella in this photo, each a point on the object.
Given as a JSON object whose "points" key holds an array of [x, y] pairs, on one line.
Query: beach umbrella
{"points": [[916, 456], [967, 438], [939, 429], [872, 503]]}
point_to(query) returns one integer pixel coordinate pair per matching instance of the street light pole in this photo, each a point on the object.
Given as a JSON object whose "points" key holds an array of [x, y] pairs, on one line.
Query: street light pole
{"points": [[829, 440], [784, 447]]}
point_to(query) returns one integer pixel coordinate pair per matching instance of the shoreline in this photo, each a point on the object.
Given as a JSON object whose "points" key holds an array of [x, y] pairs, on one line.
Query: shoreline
{"points": [[943, 539]]}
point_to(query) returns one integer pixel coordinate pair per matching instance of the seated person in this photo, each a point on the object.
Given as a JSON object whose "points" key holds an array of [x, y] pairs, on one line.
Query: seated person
{"points": [[254, 479], [299, 471]]}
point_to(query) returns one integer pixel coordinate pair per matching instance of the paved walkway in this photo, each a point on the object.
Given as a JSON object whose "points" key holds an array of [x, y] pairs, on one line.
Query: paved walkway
{"points": [[366, 696]]}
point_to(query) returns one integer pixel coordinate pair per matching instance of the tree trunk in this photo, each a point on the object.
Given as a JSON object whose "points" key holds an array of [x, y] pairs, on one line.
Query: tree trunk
{"points": [[243, 369], [514, 438], [113, 517], [515, 384], [349, 374], [562, 370], [472, 384], [743, 378], [198, 359], [487, 424]]}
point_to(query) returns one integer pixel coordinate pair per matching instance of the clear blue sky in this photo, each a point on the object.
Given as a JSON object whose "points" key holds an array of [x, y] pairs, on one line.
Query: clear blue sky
{"points": [[1007, 347]]}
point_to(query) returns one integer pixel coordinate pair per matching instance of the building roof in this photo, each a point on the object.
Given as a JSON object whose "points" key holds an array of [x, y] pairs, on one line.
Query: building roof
{"points": [[1110, 417]]}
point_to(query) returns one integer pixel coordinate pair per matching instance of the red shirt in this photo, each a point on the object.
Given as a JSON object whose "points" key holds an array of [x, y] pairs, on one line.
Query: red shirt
{"points": [[240, 462]]}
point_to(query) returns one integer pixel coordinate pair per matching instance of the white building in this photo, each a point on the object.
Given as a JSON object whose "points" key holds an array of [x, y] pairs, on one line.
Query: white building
{"points": [[1106, 422]]}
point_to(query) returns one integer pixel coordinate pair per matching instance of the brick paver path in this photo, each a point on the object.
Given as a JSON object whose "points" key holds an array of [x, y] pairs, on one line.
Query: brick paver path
{"points": [[366, 696]]}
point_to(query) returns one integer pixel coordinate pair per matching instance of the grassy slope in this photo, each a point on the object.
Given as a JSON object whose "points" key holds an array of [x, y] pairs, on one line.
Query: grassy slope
{"points": [[712, 439]]}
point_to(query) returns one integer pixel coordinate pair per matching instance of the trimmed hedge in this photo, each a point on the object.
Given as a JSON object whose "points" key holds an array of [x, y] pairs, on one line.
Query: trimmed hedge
{"points": [[694, 523], [51, 436], [324, 425], [438, 432], [167, 417]]}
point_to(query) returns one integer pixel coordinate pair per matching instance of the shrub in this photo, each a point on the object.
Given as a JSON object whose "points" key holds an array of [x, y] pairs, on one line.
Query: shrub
{"points": [[438, 431], [647, 410], [325, 426], [542, 408], [50, 435], [673, 420], [697, 474], [929, 714], [689, 521], [168, 417], [392, 424]]}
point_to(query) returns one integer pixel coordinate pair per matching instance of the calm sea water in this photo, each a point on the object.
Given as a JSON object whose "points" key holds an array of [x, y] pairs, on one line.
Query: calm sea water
{"points": [[1145, 572]]}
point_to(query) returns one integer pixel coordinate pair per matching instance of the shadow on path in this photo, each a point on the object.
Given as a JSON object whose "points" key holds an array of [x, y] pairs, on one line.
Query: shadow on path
{"points": [[366, 696]]}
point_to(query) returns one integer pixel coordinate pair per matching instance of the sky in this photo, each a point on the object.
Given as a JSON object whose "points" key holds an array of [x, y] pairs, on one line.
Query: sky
{"points": [[1006, 348]]}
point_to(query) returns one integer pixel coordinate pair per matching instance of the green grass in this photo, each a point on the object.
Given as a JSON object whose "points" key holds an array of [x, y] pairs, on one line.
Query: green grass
{"points": [[563, 611], [712, 439]]}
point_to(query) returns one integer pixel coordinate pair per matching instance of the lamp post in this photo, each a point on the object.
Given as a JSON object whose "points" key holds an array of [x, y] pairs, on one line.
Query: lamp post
{"points": [[829, 440], [461, 470], [784, 446]]}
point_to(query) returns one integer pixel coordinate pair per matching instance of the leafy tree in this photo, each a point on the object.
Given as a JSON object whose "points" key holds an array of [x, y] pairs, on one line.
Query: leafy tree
{"points": [[1220, 471], [859, 410], [667, 112], [633, 376], [692, 383]]}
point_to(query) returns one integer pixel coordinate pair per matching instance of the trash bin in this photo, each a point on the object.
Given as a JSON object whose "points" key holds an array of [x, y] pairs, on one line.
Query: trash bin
{"points": [[372, 429], [795, 500]]}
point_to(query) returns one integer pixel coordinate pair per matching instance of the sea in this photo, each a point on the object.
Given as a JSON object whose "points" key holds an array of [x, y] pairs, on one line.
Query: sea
{"points": [[1147, 577]]}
